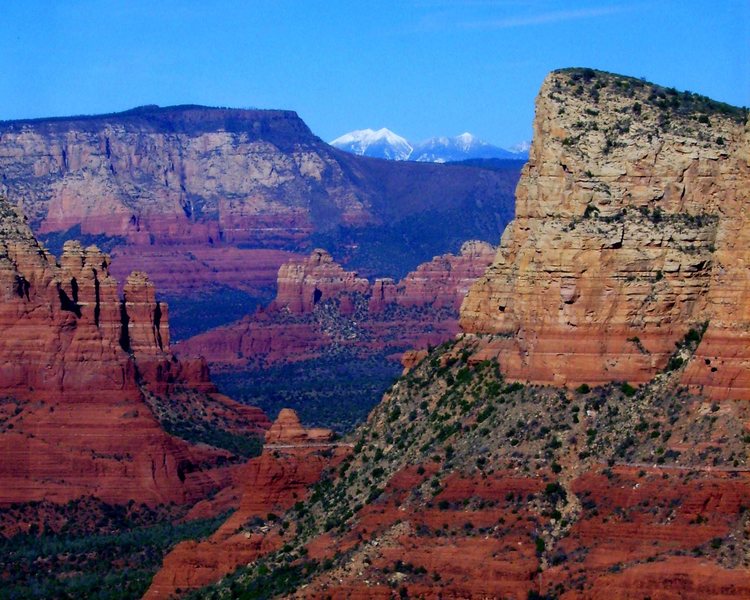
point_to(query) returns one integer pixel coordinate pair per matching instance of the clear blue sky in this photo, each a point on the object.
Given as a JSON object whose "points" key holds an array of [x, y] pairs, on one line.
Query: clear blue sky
{"points": [[419, 67]]}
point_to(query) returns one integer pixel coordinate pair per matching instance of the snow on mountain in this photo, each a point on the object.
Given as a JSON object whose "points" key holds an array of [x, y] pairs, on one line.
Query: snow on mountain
{"points": [[461, 147], [382, 143]]}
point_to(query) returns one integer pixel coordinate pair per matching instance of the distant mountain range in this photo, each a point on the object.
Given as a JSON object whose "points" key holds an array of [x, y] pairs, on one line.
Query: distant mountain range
{"points": [[383, 143]]}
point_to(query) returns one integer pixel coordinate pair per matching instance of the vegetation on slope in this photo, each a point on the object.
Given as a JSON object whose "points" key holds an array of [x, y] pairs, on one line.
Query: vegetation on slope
{"points": [[200, 419], [102, 551], [454, 416], [684, 104]]}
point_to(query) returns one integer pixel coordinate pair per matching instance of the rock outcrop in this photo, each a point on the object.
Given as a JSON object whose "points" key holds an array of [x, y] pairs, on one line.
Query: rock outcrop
{"points": [[629, 231], [76, 365], [269, 485], [301, 285], [445, 280], [287, 429], [320, 304]]}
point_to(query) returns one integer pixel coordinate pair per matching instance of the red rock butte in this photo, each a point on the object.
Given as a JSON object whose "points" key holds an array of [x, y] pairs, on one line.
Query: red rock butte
{"points": [[430, 295], [77, 363], [630, 230]]}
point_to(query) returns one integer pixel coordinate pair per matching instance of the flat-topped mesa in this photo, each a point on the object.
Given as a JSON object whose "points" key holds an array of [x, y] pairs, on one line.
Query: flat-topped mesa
{"points": [[628, 232]]}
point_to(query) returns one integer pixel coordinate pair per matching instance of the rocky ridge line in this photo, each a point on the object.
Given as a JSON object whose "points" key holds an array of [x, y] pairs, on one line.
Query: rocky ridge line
{"points": [[320, 305]]}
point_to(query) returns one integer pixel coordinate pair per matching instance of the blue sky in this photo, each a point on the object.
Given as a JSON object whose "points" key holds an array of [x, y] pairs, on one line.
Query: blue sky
{"points": [[419, 67]]}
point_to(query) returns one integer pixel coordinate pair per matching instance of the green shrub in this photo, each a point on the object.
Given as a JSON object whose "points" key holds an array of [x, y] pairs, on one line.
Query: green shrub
{"points": [[539, 543], [674, 363]]}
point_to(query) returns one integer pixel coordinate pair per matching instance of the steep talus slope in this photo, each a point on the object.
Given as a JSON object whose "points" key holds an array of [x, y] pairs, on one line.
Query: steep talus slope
{"points": [[87, 381], [629, 231], [203, 197], [465, 482]]}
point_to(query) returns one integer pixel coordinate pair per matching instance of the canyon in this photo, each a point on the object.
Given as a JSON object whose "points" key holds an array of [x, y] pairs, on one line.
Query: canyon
{"points": [[588, 433], [208, 200], [329, 344], [581, 431]]}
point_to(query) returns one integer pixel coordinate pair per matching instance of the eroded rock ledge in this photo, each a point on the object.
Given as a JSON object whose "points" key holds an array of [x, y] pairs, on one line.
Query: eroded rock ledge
{"points": [[629, 231]]}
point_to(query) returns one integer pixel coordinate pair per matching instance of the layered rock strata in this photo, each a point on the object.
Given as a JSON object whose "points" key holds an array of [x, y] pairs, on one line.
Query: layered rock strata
{"points": [[75, 364], [301, 285], [629, 231], [224, 194], [320, 304]]}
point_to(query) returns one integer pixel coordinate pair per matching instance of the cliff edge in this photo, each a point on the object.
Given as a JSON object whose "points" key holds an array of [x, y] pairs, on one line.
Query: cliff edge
{"points": [[629, 232]]}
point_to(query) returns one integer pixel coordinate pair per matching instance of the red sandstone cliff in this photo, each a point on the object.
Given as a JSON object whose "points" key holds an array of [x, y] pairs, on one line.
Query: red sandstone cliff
{"points": [[76, 364], [629, 231]]}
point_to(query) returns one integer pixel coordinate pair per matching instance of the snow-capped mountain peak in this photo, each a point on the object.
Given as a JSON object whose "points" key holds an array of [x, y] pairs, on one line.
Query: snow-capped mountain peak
{"points": [[382, 143], [466, 139], [521, 147], [460, 147]]}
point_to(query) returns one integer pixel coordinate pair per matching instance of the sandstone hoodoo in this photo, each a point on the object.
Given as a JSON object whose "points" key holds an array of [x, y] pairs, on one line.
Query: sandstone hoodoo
{"points": [[86, 378], [475, 477], [206, 199], [629, 232], [269, 485]]}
